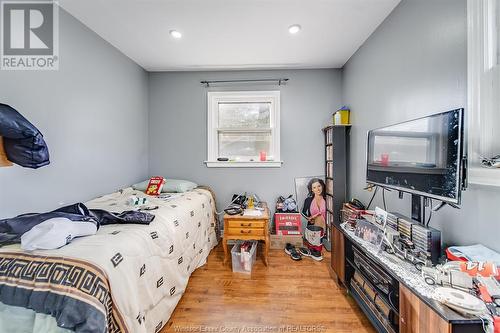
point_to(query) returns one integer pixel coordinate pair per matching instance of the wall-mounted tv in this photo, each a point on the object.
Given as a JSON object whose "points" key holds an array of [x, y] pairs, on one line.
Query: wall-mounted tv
{"points": [[422, 156]]}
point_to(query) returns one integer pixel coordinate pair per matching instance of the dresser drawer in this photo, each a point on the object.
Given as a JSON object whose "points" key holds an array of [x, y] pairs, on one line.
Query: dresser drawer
{"points": [[246, 224], [245, 232]]}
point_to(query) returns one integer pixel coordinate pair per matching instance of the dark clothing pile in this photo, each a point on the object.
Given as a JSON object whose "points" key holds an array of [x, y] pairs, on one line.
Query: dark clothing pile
{"points": [[12, 229], [23, 143]]}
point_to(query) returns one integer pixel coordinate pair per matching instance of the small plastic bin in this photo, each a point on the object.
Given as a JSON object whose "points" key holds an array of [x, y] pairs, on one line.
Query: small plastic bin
{"points": [[243, 261]]}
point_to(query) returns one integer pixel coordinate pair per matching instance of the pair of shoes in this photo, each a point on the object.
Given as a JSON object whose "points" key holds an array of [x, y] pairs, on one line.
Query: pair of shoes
{"points": [[292, 252], [313, 254]]}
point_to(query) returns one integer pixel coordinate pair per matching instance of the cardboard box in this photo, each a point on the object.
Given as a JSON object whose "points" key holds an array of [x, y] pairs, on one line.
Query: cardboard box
{"points": [[278, 241], [288, 223]]}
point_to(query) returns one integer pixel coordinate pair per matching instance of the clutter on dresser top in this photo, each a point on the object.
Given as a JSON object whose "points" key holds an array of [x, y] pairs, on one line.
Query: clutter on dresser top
{"points": [[467, 282]]}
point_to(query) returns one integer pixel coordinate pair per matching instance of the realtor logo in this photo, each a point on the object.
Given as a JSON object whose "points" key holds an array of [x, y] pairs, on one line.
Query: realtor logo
{"points": [[29, 35]]}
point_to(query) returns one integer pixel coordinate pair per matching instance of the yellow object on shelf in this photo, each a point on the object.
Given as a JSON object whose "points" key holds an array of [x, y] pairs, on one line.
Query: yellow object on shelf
{"points": [[250, 203], [341, 117]]}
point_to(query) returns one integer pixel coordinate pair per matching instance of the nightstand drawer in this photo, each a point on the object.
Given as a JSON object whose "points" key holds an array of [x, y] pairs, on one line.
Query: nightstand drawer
{"points": [[246, 224], [245, 232]]}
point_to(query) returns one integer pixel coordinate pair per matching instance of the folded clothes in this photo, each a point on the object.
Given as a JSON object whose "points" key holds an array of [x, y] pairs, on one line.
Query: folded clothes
{"points": [[12, 229], [55, 233]]}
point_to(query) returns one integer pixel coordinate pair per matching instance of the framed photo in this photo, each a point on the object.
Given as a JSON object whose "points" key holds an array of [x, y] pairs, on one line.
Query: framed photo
{"points": [[369, 232], [380, 217]]}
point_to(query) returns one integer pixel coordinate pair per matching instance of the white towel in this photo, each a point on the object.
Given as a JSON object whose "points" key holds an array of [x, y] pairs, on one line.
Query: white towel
{"points": [[55, 233], [477, 252]]}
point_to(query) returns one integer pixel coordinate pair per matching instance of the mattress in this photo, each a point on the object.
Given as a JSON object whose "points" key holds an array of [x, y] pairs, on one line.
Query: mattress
{"points": [[147, 267]]}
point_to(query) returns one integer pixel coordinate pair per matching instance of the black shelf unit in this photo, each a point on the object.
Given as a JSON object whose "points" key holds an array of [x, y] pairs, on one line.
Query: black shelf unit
{"points": [[336, 172]]}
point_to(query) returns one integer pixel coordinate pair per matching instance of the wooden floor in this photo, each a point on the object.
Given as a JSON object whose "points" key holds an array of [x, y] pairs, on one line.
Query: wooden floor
{"points": [[287, 296]]}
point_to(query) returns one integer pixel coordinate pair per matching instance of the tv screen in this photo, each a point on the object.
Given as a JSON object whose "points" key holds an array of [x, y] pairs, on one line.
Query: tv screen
{"points": [[421, 156]]}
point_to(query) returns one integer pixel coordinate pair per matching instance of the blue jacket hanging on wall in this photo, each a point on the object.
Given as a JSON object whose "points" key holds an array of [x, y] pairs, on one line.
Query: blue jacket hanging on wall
{"points": [[23, 142]]}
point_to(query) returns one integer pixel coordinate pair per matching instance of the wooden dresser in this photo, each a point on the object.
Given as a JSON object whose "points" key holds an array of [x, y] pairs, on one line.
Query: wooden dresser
{"points": [[413, 312], [247, 228]]}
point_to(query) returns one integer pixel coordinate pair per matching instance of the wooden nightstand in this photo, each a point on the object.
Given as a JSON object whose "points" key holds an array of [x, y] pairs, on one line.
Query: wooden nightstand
{"points": [[247, 228]]}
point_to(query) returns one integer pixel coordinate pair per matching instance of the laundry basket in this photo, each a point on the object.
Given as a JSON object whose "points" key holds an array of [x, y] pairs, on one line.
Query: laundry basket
{"points": [[243, 260]]}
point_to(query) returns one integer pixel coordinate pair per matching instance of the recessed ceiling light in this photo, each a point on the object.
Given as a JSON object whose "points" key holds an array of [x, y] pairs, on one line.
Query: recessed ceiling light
{"points": [[176, 34], [293, 29]]}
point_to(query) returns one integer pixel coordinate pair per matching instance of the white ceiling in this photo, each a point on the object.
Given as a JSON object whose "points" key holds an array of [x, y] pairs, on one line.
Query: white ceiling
{"points": [[233, 34]]}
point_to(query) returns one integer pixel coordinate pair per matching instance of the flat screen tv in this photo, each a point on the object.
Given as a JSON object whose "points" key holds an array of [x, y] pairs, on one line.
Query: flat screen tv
{"points": [[422, 156]]}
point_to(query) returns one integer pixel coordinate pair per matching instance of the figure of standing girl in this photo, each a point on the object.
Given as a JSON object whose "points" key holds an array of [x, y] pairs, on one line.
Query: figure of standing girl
{"points": [[314, 211]]}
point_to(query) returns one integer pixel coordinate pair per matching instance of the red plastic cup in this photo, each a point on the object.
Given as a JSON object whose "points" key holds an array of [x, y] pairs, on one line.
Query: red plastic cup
{"points": [[262, 156], [384, 159]]}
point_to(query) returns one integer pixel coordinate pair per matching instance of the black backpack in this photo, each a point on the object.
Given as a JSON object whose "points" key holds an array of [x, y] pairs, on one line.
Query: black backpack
{"points": [[23, 143]]}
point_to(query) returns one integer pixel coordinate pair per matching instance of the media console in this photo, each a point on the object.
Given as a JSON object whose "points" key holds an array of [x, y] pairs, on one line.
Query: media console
{"points": [[390, 303]]}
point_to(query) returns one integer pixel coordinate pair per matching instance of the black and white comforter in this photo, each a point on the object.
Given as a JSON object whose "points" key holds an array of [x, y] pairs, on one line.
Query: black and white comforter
{"points": [[143, 270]]}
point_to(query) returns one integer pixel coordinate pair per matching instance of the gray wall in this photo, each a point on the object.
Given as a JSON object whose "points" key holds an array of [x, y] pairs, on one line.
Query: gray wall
{"points": [[178, 130], [93, 113], [413, 65]]}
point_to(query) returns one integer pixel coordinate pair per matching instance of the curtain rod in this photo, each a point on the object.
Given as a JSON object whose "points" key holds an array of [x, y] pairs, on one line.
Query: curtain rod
{"points": [[208, 83]]}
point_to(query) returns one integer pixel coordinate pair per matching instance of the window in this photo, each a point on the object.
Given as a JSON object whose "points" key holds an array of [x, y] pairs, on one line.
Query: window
{"points": [[483, 88], [244, 126]]}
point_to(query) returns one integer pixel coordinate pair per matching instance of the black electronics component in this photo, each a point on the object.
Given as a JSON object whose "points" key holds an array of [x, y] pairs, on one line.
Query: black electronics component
{"points": [[377, 291], [234, 210], [357, 204], [380, 279], [434, 170], [405, 225], [239, 199], [426, 240], [383, 311], [237, 205]]}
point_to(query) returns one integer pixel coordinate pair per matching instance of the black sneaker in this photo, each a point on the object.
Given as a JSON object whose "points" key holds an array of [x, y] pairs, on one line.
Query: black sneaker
{"points": [[288, 248], [292, 252], [305, 251], [316, 255]]}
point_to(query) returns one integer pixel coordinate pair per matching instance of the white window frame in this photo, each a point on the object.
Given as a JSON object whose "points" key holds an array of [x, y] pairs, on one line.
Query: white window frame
{"points": [[482, 48], [213, 100]]}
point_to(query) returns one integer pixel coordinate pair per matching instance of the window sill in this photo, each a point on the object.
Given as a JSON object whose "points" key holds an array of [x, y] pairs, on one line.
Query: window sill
{"points": [[484, 176], [256, 164]]}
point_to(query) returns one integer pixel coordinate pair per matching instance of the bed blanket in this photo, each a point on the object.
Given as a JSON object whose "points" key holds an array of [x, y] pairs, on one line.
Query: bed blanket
{"points": [[75, 292], [126, 278]]}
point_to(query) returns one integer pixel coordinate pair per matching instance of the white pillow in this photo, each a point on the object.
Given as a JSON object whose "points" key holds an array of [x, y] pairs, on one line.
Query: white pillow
{"points": [[171, 186]]}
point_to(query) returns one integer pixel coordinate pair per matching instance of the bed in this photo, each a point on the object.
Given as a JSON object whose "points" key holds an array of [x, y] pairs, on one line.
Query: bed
{"points": [[126, 278]]}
